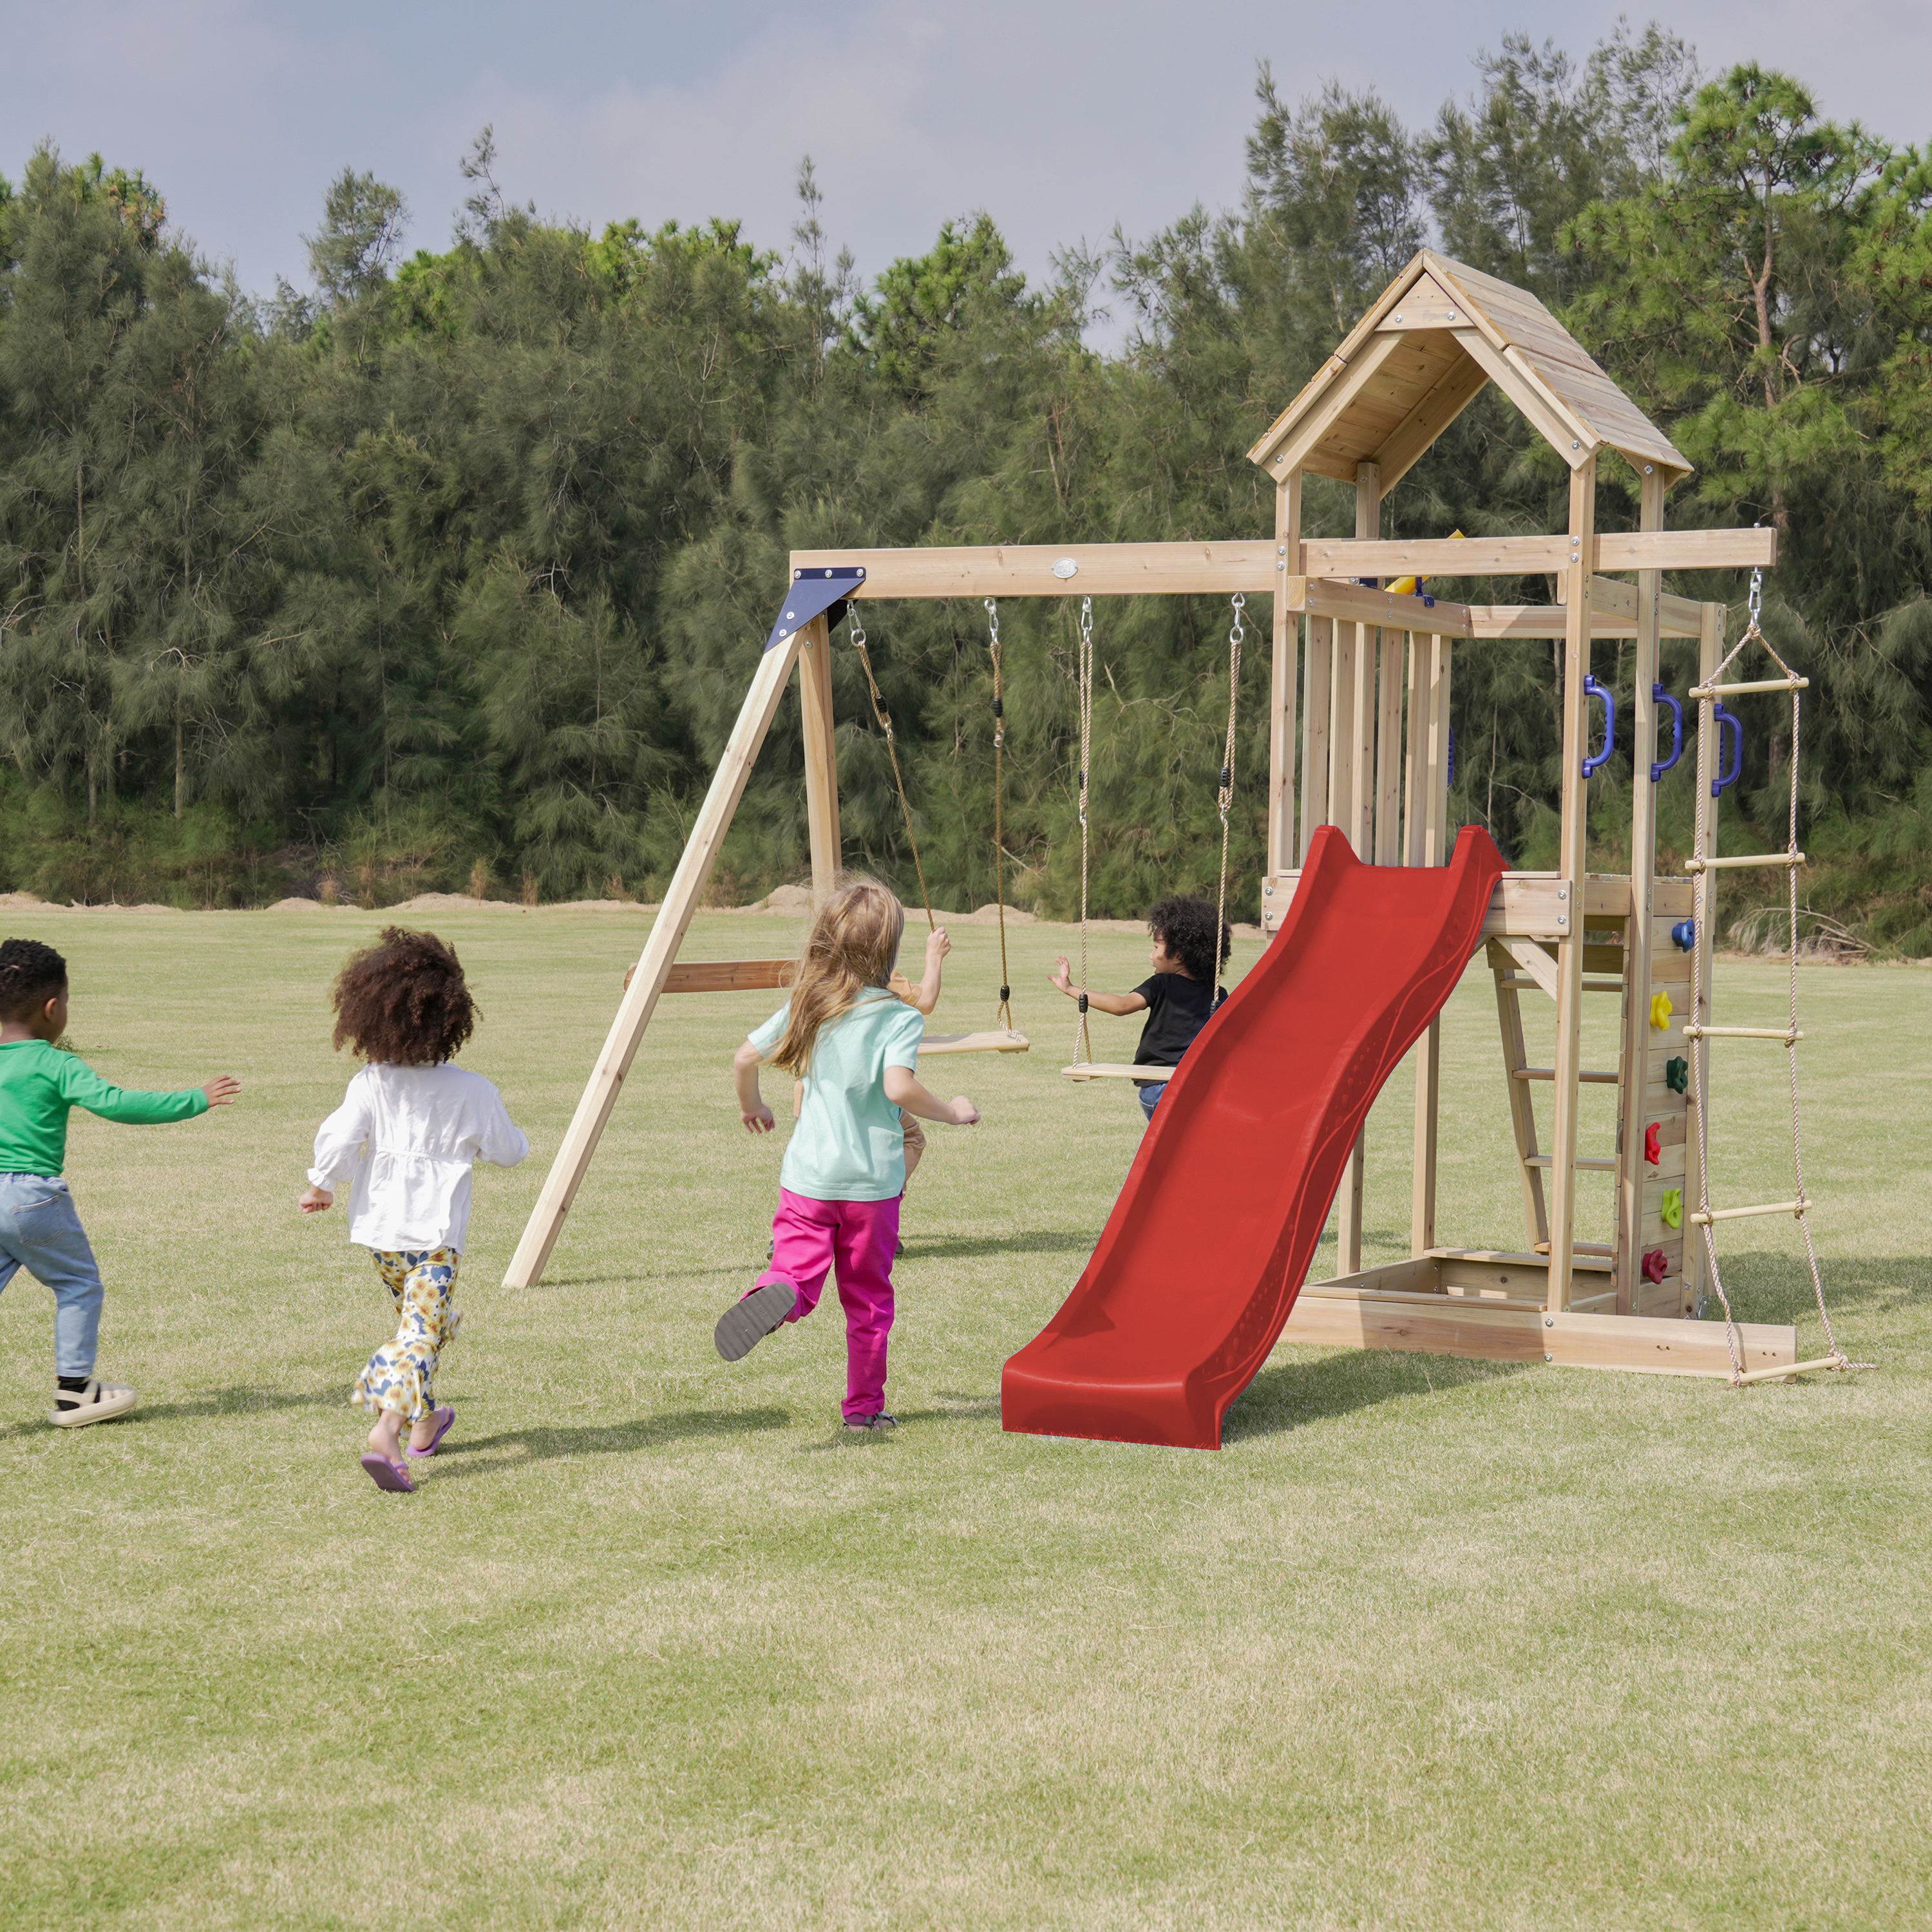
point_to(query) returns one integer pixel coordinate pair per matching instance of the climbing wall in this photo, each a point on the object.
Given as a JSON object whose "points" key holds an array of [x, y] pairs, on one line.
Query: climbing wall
{"points": [[1662, 1120]]}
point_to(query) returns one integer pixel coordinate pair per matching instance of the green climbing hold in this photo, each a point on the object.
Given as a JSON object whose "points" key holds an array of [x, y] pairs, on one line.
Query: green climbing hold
{"points": [[1677, 1075], [1673, 1209]]}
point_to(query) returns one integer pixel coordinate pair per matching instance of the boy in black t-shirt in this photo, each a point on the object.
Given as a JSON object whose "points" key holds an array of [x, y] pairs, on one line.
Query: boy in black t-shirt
{"points": [[1180, 995]]}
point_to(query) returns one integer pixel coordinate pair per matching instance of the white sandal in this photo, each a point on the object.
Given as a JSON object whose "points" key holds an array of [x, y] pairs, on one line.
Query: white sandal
{"points": [[75, 1409]]}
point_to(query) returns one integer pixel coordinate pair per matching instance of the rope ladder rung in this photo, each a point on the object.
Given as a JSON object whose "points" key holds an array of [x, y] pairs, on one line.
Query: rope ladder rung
{"points": [[1704, 1220], [1704, 691], [1789, 1035], [1790, 1368], [1694, 865]]}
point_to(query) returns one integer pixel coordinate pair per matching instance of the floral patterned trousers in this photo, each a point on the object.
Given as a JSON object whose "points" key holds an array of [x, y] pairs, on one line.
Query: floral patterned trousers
{"points": [[401, 1374]]}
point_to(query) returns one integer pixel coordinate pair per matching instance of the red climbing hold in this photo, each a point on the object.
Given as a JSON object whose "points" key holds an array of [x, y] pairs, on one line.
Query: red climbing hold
{"points": [[1656, 1265], [1653, 1139]]}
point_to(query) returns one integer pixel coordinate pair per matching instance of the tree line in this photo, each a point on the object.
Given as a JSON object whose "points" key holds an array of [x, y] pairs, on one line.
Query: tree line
{"points": [[450, 571]]}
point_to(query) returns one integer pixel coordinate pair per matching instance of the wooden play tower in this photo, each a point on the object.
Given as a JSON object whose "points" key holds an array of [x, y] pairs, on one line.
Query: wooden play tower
{"points": [[1359, 739]]}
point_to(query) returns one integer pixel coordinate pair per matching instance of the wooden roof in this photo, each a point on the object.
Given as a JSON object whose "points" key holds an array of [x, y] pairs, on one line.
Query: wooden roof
{"points": [[1420, 356]]}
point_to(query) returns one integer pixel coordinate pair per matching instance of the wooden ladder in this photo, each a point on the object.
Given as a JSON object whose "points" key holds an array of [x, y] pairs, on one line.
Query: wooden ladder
{"points": [[1519, 966]]}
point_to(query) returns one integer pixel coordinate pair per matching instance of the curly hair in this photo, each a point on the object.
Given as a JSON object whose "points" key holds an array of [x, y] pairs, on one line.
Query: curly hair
{"points": [[31, 974], [403, 1000], [1186, 927]]}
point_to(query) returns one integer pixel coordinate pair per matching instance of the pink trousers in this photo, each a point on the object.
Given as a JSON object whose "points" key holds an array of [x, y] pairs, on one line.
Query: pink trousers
{"points": [[855, 1240]]}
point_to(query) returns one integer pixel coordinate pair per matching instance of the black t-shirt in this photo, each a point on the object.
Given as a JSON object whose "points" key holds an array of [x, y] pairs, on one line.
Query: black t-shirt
{"points": [[1177, 1008]]}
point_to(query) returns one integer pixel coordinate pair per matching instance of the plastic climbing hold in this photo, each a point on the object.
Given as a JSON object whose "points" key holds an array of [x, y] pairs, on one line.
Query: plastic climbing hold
{"points": [[1684, 932], [1677, 1075], [1660, 1010], [1656, 1265], [1653, 1142], [1673, 1209]]}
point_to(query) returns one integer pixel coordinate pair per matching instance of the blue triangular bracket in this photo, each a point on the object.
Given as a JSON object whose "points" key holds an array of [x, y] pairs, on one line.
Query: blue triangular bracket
{"points": [[813, 591]]}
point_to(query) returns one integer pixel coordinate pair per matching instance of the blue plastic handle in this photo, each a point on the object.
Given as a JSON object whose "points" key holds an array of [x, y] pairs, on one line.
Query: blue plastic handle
{"points": [[1659, 695], [1592, 688], [1724, 718]]}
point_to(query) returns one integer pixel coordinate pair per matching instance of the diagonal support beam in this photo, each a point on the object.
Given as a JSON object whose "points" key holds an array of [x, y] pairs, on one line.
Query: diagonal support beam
{"points": [[652, 971]]}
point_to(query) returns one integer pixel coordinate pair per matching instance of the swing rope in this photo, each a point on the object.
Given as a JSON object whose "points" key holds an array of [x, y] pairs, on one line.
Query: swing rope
{"points": [[1224, 796], [1004, 1013], [1703, 889], [1083, 1050], [857, 632]]}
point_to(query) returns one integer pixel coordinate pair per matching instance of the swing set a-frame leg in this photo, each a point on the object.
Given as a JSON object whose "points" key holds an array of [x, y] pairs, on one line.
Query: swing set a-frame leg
{"points": [[653, 968]]}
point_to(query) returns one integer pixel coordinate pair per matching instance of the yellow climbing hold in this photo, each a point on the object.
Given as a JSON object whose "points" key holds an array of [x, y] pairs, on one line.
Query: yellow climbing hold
{"points": [[1673, 1209], [1660, 1011]]}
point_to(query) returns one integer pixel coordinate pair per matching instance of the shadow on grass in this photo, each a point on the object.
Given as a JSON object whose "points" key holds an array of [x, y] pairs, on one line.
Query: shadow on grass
{"points": [[1030, 1241], [1765, 1287], [541, 1445], [236, 1401], [1286, 1395]]}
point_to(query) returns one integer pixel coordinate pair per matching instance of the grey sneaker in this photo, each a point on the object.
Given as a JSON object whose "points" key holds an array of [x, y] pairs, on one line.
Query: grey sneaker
{"points": [[745, 1324], [879, 1421]]}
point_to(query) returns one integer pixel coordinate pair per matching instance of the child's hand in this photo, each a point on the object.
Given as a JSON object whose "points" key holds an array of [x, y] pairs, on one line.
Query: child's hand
{"points": [[965, 1114], [313, 1200], [937, 946], [758, 1120], [1063, 978], [221, 1092]]}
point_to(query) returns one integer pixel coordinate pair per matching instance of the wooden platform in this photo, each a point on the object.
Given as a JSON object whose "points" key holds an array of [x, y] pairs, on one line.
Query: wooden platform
{"points": [[1489, 1306]]}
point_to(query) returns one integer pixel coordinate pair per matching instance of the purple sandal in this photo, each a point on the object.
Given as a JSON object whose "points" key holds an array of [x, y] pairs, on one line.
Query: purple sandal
{"points": [[443, 1418], [386, 1474]]}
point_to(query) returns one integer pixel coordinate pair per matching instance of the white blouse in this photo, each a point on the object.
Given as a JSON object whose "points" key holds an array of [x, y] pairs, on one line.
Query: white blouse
{"points": [[404, 1141]]}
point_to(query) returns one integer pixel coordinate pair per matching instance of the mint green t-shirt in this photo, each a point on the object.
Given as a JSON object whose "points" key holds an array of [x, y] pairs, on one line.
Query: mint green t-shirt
{"points": [[847, 1145]]}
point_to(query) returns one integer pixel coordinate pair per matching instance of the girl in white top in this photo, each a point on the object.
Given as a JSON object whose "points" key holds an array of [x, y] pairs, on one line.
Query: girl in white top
{"points": [[404, 1140]]}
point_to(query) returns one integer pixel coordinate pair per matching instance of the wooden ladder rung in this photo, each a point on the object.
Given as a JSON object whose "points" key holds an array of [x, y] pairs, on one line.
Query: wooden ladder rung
{"points": [[1744, 1213], [1587, 1076], [1749, 859], [1582, 1160], [1520, 980], [1787, 1034]]}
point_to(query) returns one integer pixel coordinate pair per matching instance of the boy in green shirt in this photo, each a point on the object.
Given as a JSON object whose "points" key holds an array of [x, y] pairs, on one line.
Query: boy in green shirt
{"points": [[39, 1229]]}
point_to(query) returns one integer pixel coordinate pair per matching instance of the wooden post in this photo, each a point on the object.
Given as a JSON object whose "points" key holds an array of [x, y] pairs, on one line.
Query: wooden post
{"points": [[1570, 865], [1426, 825], [1360, 822], [1315, 725], [1388, 752], [1710, 651], [1639, 936], [1341, 733], [1361, 826], [653, 968], [821, 758], [1284, 676]]}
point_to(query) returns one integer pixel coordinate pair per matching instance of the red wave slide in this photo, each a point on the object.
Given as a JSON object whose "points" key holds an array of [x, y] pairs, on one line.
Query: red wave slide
{"points": [[1212, 1236]]}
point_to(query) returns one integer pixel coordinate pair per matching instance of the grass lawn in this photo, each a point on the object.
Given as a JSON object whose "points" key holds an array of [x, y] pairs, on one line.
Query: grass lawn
{"points": [[1429, 1644]]}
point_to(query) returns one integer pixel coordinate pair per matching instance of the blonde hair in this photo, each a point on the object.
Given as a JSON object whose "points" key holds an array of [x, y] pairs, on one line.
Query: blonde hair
{"points": [[853, 943]]}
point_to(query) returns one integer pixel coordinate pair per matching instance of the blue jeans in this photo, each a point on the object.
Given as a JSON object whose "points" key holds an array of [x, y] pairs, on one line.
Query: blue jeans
{"points": [[41, 1232], [1151, 1097]]}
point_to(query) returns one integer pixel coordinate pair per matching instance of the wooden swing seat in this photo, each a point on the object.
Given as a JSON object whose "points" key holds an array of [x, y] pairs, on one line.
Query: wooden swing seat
{"points": [[996, 1040], [1107, 1070]]}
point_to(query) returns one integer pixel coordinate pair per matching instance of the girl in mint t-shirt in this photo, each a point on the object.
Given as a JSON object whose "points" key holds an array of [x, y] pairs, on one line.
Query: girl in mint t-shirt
{"points": [[856, 1047]]}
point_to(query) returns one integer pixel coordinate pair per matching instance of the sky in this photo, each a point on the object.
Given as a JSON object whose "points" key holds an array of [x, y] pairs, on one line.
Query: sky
{"points": [[1060, 118]]}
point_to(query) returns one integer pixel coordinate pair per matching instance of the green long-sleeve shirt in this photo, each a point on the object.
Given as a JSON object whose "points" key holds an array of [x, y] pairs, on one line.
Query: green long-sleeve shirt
{"points": [[38, 1086]]}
